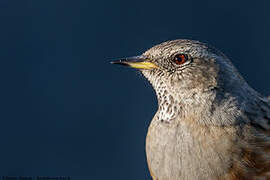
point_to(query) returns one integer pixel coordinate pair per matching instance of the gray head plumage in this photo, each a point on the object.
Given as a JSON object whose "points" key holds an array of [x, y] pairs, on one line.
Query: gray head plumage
{"points": [[189, 76]]}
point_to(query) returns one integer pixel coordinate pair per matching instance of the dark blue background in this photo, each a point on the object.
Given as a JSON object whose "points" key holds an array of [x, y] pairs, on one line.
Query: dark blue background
{"points": [[65, 111]]}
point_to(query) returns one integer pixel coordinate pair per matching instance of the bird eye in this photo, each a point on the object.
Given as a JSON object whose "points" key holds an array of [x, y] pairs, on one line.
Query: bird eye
{"points": [[180, 59]]}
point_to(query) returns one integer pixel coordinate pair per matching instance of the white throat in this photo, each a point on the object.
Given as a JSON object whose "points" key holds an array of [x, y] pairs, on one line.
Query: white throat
{"points": [[168, 106]]}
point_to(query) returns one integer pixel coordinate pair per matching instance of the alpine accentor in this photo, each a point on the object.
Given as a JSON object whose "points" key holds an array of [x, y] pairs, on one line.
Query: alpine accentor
{"points": [[210, 124]]}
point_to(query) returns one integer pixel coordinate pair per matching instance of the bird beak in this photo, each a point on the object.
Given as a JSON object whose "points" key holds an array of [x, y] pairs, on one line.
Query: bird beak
{"points": [[137, 62]]}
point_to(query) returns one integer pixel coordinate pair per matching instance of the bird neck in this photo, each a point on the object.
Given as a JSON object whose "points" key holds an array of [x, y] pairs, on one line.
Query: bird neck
{"points": [[204, 105], [172, 102]]}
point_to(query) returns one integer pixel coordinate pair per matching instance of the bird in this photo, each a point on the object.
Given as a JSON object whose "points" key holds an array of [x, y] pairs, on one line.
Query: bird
{"points": [[209, 124]]}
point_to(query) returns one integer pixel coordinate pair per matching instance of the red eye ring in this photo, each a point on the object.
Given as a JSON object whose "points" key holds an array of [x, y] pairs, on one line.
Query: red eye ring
{"points": [[180, 59]]}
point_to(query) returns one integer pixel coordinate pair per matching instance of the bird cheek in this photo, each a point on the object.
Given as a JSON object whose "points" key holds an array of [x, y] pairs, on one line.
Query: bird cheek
{"points": [[174, 81]]}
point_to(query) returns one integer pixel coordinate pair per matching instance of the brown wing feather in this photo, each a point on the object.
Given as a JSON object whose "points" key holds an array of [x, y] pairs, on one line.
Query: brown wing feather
{"points": [[257, 156]]}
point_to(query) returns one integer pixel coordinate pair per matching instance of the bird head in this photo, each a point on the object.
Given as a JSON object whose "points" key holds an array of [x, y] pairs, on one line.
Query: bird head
{"points": [[190, 77], [185, 67]]}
